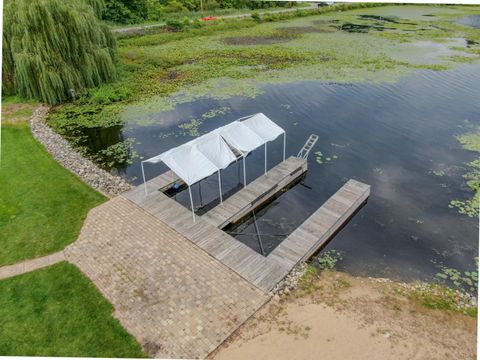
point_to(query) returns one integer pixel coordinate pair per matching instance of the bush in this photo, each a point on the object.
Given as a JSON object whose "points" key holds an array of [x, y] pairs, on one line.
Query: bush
{"points": [[154, 10], [256, 16], [211, 5], [174, 6], [197, 24], [175, 25]]}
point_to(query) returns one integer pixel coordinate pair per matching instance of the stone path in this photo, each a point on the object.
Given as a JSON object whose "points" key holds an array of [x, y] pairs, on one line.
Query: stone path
{"points": [[30, 265], [176, 300]]}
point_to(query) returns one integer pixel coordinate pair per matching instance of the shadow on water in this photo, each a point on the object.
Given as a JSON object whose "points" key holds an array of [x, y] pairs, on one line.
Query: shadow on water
{"points": [[395, 137]]}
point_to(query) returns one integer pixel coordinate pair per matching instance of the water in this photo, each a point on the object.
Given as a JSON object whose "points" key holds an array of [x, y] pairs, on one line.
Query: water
{"points": [[391, 136], [471, 20]]}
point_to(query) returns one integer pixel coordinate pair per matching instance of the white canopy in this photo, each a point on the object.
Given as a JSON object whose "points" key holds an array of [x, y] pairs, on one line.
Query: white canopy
{"points": [[263, 127], [197, 159], [241, 137], [209, 153]]}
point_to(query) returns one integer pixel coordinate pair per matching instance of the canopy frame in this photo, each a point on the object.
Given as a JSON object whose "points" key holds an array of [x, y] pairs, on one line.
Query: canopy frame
{"points": [[257, 132]]}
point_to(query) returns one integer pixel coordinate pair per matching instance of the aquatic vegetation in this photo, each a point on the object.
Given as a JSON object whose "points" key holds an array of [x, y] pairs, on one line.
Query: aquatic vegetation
{"points": [[468, 280], [192, 127], [321, 159], [470, 207], [160, 70], [327, 260], [117, 155], [439, 173]]}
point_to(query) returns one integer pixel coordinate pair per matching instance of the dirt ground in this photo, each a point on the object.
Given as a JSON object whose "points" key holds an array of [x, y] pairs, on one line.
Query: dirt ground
{"points": [[344, 317], [13, 113]]}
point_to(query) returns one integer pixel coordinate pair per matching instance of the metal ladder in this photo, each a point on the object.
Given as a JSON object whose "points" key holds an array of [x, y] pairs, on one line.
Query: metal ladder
{"points": [[303, 153]]}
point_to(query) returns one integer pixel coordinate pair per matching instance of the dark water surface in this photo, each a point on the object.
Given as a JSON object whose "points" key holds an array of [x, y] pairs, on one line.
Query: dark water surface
{"points": [[391, 136]]}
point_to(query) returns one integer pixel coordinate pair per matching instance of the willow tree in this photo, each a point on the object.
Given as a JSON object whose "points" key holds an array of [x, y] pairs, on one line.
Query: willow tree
{"points": [[54, 48]]}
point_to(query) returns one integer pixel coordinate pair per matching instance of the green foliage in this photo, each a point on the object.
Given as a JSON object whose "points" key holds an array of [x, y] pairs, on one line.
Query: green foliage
{"points": [[308, 283], [439, 297], [466, 281], [175, 25], [327, 260], [117, 155], [256, 16], [95, 131], [470, 207], [53, 48], [57, 311], [42, 205]]}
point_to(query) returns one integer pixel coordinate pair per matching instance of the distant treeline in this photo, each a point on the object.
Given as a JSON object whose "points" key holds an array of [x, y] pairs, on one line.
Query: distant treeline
{"points": [[136, 11]]}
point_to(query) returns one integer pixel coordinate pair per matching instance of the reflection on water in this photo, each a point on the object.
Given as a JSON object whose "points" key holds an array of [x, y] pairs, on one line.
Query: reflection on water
{"points": [[396, 137]]}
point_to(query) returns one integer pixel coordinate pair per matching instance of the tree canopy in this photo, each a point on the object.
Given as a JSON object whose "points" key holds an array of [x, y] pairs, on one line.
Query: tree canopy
{"points": [[134, 11], [53, 49]]}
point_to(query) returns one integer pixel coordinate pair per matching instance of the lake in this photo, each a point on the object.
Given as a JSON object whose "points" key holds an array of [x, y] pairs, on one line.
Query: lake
{"points": [[399, 138]]}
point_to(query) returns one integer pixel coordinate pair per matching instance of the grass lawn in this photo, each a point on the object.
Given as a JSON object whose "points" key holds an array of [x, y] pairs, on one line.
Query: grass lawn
{"points": [[57, 311], [42, 205]]}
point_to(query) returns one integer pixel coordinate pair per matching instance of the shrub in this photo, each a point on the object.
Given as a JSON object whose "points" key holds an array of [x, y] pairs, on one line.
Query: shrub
{"points": [[256, 16], [174, 25]]}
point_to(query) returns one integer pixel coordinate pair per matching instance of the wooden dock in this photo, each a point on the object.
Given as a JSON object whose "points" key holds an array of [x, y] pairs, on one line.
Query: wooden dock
{"points": [[257, 192], [314, 232], [263, 272]]}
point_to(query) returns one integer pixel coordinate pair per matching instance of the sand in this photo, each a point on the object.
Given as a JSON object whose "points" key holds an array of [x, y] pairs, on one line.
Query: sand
{"points": [[351, 318]]}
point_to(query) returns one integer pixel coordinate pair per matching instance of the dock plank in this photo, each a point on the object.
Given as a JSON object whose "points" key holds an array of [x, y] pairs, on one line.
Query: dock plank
{"points": [[257, 192]]}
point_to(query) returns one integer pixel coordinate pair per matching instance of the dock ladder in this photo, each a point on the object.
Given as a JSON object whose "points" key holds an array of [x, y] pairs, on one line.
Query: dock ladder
{"points": [[303, 153]]}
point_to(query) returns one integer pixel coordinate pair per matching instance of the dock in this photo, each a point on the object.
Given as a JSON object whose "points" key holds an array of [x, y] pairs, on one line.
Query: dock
{"points": [[255, 194], [322, 225], [262, 271]]}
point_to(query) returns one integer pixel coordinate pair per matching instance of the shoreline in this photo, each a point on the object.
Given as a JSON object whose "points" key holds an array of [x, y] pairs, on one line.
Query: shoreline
{"points": [[64, 154], [348, 317]]}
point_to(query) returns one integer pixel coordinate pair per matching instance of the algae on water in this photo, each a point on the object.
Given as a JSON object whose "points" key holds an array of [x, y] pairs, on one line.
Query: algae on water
{"points": [[470, 207]]}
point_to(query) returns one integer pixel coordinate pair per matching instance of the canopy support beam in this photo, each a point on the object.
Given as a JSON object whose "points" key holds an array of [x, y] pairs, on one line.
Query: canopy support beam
{"points": [[191, 202], [220, 186], [144, 182]]}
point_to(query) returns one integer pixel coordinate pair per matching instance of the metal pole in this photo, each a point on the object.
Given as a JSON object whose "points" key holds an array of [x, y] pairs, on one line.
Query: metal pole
{"points": [[244, 173], [284, 144], [220, 186], [144, 183], [191, 202], [265, 158], [258, 233]]}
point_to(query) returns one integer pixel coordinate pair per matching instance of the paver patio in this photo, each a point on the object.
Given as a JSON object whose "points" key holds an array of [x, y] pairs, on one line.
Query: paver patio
{"points": [[177, 300]]}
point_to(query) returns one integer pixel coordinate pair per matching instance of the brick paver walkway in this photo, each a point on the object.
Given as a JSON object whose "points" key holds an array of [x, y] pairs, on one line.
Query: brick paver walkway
{"points": [[172, 296], [30, 265]]}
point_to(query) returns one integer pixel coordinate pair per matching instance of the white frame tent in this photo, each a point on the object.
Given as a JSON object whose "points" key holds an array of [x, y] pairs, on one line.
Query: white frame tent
{"points": [[212, 152]]}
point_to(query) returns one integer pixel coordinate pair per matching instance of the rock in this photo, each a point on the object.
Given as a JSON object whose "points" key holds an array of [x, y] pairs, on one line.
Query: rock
{"points": [[61, 150]]}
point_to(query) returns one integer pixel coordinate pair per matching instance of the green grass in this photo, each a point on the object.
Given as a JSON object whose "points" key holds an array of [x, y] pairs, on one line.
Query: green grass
{"points": [[57, 311], [434, 296], [42, 205]]}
